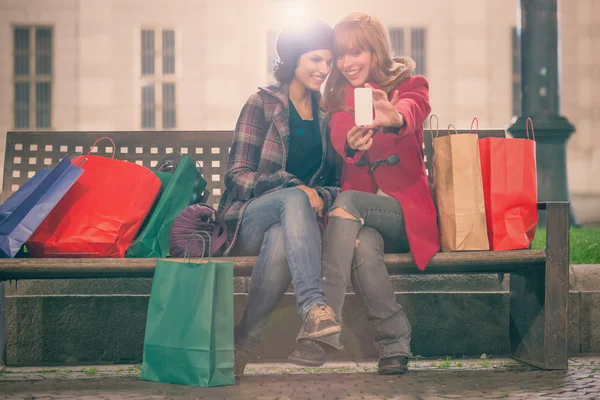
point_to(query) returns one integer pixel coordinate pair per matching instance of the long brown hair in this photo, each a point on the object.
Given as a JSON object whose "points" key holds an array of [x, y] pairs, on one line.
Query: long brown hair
{"points": [[363, 32]]}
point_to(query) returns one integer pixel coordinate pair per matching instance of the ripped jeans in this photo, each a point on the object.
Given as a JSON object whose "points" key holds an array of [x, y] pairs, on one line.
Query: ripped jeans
{"points": [[353, 251]]}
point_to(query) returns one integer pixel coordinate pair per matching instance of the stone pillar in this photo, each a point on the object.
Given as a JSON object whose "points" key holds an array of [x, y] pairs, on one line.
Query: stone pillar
{"points": [[540, 90]]}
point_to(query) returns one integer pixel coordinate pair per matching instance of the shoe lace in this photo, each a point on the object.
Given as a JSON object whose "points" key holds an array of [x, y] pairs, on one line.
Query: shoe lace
{"points": [[322, 313]]}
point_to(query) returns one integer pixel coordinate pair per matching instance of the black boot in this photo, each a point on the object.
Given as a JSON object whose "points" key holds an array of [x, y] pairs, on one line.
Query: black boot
{"points": [[396, 365], [308, 354]]}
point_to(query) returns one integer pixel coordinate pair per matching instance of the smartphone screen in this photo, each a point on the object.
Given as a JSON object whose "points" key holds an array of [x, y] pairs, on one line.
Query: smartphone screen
{"points": [[363, 106]]}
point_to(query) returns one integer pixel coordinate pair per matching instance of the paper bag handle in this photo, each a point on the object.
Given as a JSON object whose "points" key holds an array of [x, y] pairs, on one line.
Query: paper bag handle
{"points": [[186, 255], [455, 131], [476, 121], [437, 126], [103, 138], [527, 128]]}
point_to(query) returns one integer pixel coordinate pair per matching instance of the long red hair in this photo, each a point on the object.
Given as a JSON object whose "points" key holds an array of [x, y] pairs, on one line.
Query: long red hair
{"points": [[363, 32]]}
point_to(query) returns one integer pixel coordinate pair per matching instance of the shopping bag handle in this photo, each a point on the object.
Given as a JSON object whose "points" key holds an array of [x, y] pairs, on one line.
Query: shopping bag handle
{"points": [[80, 162], [80, 159], [174, 158], [437, 126], [103, 138], [186, 254], [476, 121], [455, 131], [527, 128], [162, 163]]}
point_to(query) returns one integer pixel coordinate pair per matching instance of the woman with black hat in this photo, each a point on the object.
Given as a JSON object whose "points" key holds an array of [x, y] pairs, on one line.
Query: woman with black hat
{"points": [[280, 180]]}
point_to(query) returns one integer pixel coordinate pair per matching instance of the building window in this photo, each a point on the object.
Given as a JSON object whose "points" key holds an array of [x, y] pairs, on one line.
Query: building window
{"points": [[516, 71], [159, 105], [413, 45], [271, 54], [397, 41], [32, 76]]}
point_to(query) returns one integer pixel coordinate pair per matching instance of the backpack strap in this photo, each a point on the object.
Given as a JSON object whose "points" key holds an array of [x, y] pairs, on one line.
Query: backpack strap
{"points": [[219, 230], [220, 235]]}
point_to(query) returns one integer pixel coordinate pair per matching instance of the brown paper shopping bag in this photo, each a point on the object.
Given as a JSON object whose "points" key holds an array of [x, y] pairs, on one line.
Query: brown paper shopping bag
{"points": [[459, 190]]}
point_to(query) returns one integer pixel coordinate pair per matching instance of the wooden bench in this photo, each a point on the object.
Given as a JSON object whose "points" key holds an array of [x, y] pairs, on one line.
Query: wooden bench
{"points": [[539, 280]]}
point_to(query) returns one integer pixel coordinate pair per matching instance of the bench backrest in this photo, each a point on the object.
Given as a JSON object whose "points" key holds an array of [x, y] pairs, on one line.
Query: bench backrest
{"points": [[27, 152]]}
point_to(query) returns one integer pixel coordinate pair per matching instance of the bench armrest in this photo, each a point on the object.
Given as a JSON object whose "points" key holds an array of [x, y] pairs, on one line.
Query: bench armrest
{"points": [[557, 230], [543, 205]]}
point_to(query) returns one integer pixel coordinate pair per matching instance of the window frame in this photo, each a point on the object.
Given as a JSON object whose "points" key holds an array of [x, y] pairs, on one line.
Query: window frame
{"points": [[408, 33], [159, 78], [32, 78]]}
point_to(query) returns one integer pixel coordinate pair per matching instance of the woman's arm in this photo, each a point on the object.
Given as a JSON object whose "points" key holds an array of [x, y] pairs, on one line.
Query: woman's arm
{"points": [[241, 177], [340, 124], [413, 104], [331, 185]]}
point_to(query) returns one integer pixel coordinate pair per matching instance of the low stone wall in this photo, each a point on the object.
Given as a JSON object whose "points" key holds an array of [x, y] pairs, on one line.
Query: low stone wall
{"points": [[103, 320]]}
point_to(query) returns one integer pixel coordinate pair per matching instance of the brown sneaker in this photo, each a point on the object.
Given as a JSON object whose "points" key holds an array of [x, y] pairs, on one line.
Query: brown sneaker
{"points": [[320, 322]]}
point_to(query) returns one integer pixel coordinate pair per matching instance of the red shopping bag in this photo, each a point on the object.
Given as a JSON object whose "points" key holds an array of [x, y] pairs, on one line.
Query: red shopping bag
{"points": [[510, 190], [101, 213]]}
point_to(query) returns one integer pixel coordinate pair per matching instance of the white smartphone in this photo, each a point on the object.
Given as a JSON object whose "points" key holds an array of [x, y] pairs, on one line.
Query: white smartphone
{"points": [[363, 106]]}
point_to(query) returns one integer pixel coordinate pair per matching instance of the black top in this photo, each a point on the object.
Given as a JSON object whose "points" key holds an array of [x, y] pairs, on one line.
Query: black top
{"points": [[305, 152]]}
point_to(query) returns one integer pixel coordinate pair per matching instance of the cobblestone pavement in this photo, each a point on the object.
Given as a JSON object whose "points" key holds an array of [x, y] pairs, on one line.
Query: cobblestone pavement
{"points": [[431, 379]]}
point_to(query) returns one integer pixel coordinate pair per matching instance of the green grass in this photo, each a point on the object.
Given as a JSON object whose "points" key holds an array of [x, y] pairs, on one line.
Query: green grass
{"points": [[446, 363], [485, 363], [135, 369], [584, 244]]}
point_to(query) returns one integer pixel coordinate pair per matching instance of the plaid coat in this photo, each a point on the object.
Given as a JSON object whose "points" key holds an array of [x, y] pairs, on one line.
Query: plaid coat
{"points": [[258, 157]]}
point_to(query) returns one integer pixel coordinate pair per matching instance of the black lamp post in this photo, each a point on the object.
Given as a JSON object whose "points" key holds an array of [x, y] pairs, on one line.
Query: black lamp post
{"points": [[540, 90]]}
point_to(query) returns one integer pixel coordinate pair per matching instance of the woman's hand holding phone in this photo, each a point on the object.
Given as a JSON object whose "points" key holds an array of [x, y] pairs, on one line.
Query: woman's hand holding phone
{"points": [[385, 110], [369, 101]]}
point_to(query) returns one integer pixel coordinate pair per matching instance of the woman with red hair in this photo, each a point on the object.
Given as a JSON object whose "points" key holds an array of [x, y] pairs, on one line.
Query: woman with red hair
{"points": [[385, 204]]}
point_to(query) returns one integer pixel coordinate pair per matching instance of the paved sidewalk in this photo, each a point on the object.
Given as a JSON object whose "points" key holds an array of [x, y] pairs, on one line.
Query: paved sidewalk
{"points": [[439, 379]]}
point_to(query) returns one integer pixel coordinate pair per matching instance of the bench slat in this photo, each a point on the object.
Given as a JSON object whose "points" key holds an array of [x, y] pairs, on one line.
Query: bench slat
{"points": [[464, 262]]}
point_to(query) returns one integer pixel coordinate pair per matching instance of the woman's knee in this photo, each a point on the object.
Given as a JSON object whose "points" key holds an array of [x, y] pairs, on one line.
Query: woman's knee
{"points": [[295, 200], [344, 207]]}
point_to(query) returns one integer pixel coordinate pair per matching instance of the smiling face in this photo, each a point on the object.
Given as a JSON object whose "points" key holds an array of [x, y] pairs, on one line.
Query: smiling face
{"points": [[354, 52], [355, 65], [313, 68], [363, 55]]}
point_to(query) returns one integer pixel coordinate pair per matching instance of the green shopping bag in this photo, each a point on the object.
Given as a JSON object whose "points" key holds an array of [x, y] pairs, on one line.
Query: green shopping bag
{"points": [[189, 327], [179, 189]]}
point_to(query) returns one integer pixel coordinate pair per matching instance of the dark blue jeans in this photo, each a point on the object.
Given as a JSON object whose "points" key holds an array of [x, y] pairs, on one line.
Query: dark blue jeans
{"points": [[282, 229]]}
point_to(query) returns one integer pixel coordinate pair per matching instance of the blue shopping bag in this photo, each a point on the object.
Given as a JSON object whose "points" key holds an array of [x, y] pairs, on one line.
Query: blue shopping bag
{"points": [[25, 210]]}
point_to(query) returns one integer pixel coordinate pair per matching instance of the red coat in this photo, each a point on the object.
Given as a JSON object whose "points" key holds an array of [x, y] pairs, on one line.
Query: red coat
{"points": [[406, 181]]}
